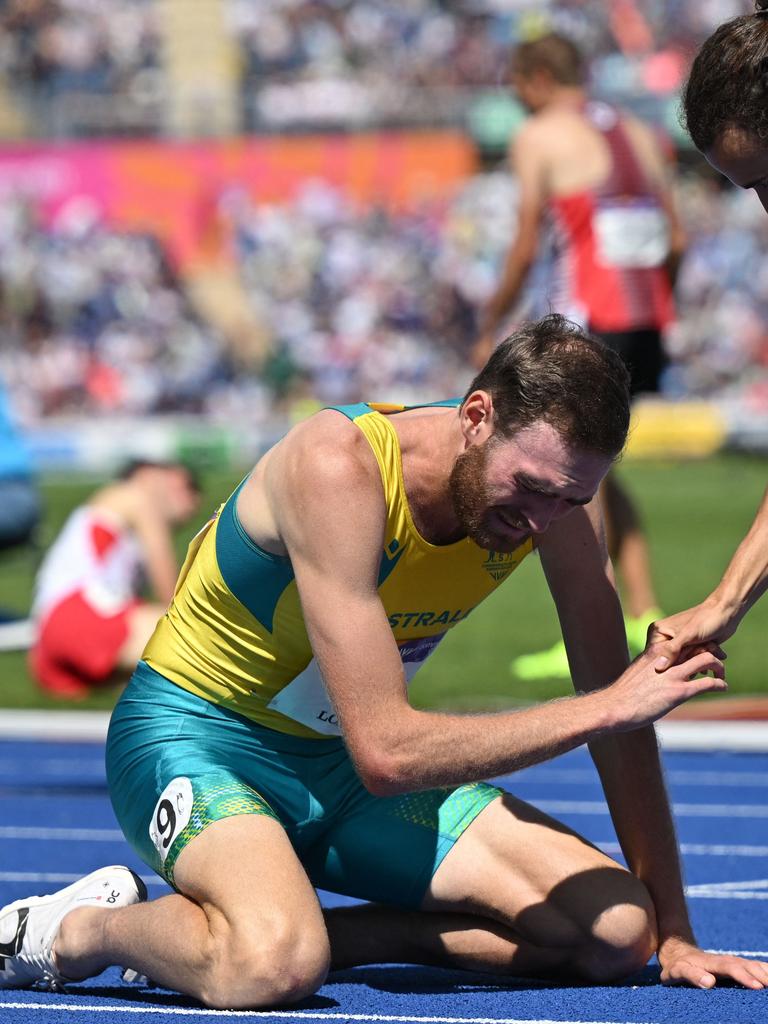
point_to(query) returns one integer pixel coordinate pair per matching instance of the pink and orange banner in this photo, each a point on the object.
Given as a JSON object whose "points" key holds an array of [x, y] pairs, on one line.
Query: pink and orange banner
{"points": [[174, 189]]}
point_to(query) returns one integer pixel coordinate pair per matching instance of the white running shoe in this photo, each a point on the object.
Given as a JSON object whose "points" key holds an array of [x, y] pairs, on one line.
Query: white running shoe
{"points": [[28, 928]]}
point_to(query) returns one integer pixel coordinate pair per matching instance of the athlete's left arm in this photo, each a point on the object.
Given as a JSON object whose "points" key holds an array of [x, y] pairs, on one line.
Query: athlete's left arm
{"points": [[578, 570], [158, 554]]}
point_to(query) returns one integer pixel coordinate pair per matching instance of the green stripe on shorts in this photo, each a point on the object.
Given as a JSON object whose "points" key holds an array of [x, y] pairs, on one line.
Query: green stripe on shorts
{"points": [[217, 795]]}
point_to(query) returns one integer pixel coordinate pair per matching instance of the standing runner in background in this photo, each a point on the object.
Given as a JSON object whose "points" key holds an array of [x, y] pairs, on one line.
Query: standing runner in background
{"points": [[601, 181], [726, 111], [90, 623]]}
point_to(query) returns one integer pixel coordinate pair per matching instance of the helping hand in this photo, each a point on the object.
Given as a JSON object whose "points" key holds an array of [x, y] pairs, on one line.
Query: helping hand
{"points": [[706, 624]]}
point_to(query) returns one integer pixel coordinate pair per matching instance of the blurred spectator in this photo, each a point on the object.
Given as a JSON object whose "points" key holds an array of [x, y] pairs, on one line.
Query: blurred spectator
{"points": [[19, 499], [90, 623]]}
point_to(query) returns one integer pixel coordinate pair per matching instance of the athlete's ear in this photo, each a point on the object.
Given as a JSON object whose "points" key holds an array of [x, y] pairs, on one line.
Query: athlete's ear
{"points": [[477, 417]]}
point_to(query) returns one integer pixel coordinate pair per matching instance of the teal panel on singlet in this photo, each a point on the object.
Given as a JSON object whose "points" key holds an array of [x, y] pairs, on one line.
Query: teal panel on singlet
{"points": [[256, 577]]}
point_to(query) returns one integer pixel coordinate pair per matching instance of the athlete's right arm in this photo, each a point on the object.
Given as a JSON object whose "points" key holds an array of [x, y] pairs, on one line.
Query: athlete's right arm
{"points": [[325, 492], [527, 161]]}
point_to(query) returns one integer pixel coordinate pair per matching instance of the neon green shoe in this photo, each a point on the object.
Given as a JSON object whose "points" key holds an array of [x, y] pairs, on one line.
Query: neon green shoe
{"points": [[637, 629], [549, 664], [553, 662]]}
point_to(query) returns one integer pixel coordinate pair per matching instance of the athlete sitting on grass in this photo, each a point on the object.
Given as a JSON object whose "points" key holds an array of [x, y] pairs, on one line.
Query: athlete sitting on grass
{"points": [[91, 625], [266, 744]]}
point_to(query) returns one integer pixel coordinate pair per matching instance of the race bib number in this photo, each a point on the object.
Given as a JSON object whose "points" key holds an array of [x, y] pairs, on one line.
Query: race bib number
{"points": [[171, 814], [630, 234], [305, 699]]}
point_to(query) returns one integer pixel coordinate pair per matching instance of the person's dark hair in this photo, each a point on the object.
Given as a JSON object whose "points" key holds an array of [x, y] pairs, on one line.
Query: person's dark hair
{"points": [[133, 466], [553, 53], [728, 82], [554, 371]]}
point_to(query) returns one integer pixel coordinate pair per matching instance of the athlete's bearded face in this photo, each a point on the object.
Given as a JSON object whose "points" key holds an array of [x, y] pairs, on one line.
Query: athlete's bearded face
{"points": [[506, 489], [741, 157]]}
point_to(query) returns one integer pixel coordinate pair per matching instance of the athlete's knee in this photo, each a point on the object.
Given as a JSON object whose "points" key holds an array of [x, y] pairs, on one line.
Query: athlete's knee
{"points": [[277, 963], [622, 940]]}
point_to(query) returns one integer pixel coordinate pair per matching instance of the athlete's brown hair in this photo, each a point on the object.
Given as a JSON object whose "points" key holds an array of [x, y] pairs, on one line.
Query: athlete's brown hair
{"points": [[728, 83], [554, 371], [553, 53]]}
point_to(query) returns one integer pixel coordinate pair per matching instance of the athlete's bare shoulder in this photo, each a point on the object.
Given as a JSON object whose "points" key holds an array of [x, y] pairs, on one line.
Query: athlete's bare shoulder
{"points": [[325, 449], [324, 463], [533, 134]]}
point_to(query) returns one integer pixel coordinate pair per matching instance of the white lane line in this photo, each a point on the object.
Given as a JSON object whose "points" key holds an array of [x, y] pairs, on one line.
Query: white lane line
{"points": [[704, 849], [748, 890], [287, 1014], [758, 954], [61, 876], [716, 735], [98, 835], [680, 810], [718, 894], [578, 776], [54, 766], [759, 883]]}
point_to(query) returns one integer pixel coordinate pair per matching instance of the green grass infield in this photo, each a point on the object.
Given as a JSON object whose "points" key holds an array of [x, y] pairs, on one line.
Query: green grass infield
{"points": [[695, 513]]}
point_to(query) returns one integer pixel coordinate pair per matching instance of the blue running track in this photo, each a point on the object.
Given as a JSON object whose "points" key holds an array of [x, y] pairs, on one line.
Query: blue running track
{"points": [[56, 824]]}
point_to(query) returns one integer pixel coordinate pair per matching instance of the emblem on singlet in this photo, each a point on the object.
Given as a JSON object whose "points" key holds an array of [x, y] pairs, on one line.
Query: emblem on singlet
{"points": [[500, 564]]}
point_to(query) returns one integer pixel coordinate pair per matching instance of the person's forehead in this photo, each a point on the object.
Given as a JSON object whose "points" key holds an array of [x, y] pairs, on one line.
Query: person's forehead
{"points": [[540, 453], [538, 444], [740, 156]]}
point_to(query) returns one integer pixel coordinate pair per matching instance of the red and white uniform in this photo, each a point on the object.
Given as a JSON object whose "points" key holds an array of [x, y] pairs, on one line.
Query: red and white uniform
{"points": [[611, 243], [85, 591]]}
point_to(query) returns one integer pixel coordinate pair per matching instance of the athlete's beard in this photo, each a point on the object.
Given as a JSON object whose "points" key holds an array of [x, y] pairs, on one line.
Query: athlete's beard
{"points": [[469, 494]]}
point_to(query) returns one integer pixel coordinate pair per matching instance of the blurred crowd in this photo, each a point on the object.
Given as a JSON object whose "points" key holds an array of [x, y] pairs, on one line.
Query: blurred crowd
{"points": [[84, 67], [354, 304], [352, 62], [719, 345], [362, 304], [88, 67], [94, 321]]}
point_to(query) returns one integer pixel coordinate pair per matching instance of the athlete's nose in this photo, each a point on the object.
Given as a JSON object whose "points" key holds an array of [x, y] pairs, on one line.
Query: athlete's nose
{"points": [[543, 513]]}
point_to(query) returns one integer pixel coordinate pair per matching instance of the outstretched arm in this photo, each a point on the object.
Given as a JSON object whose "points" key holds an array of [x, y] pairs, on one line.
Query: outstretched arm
{"points": [[578, 570], [718, 615]]}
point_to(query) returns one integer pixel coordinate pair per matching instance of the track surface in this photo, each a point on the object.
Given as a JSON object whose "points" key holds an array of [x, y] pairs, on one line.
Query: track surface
{"points": [[56, 824]]}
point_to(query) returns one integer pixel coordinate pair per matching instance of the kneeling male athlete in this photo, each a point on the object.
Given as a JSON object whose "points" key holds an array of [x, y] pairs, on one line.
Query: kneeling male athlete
{"points": [[266, 744]]}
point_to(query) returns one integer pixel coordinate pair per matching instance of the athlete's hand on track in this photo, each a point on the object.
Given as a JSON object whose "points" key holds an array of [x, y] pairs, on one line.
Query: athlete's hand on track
{"points": [[641, 694], [682, 963], [705, 623]]}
